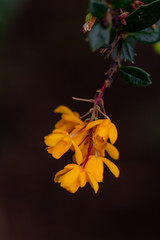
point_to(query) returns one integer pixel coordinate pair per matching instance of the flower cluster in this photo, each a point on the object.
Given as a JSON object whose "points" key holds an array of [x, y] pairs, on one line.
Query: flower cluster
{"points": [[89, 141]]}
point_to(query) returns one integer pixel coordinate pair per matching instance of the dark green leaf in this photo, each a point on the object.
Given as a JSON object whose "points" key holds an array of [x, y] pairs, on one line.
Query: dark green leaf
{"points": [[128, 49], [148, 1], [97, 8], [9, 9], [98, 36], [143, 17], [121, 3], [148, 35], [126, 4], [135, 76]]}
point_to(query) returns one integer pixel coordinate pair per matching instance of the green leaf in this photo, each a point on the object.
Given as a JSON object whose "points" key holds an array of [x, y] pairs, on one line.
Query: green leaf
{"points": [[128, 49], [148, 35], [135, 76], [148, 1], [121, 3], [9, 9], [143, 17], [156, 47], [97, 8], [98, 36], [126, 4], [88, 17]]}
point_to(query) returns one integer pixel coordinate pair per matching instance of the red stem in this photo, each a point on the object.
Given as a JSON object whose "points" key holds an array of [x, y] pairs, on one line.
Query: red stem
{"points": [[83, 140], [108, 81], [100, 94], [77, 132], [89, 151]]}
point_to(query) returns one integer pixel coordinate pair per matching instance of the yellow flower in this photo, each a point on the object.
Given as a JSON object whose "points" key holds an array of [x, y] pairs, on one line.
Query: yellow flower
{"points": [[89, 142], [112, 151], [80, 135], [59, 142], [94, 151], [69, 119], [94, 166], [74, 176], [103, 129]]}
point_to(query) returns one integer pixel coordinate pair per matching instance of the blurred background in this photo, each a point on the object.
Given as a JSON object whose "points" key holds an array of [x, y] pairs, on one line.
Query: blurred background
{"points": [[44, 61]]}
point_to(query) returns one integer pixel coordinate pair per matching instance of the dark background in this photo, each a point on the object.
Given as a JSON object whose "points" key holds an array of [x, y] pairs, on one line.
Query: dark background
{"points": [[44, 61]]}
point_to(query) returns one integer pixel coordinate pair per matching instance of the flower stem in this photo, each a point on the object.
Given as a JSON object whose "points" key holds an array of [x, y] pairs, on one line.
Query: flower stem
{"points": [[83, 140], [107, 82], [89, 150]]}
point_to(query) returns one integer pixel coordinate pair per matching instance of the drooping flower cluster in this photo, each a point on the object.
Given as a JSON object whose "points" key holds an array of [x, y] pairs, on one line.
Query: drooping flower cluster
{"points": [[89, 140]]}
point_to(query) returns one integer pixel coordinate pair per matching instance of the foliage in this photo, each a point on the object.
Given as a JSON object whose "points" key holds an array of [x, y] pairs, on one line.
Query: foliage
{"points": [[135, 76], [139, 24], [92, 136], [98, 36], [97, 8]]}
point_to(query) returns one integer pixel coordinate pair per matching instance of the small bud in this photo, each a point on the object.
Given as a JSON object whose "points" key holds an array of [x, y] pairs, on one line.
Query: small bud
{"points": [[133, 6], [138, 3], [123, 16], [88, 25], [154, 26], [83, 30]]}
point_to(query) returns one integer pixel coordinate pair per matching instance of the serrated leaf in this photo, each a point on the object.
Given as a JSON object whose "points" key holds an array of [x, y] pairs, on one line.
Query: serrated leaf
{"points": [[98, 36], [135, 76], [128, 48], [97, 9], [143, 17], [148, 35]]}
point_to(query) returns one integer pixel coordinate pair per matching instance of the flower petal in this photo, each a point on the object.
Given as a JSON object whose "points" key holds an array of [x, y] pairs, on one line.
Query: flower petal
{"points": [[112, 167], [71, 166], [103, 129], [113, 134], [78, 153], [76, 114], [69, 178], [94, 123], [74, 186], [94, 166], [63, 109], [93, 182], [82, 179], [59, 174], [72, 118], [61, 147], [53, 139], [64, 125], [112, 151], [60, 131]]}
